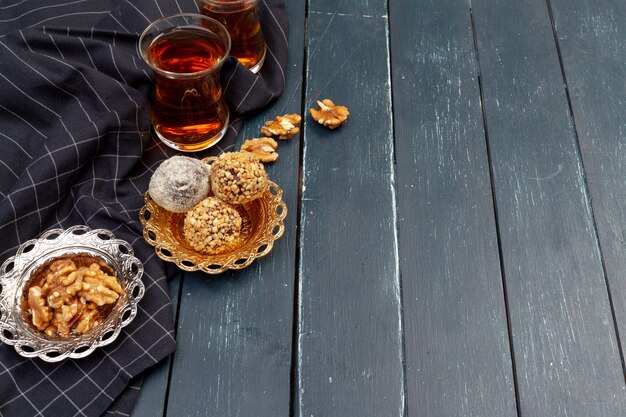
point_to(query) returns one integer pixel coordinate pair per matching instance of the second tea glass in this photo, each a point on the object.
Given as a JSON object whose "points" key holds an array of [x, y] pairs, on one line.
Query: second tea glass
{"points": [[186, 52], [242, 22]]}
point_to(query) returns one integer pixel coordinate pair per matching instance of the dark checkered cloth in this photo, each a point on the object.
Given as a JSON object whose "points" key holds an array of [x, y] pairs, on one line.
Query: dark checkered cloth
{"points": [[75, 149]]}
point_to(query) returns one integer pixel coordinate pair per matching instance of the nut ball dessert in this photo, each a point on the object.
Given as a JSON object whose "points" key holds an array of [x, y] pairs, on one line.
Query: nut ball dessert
{"points": [[212, 227], [179, 183], [236, 178]]}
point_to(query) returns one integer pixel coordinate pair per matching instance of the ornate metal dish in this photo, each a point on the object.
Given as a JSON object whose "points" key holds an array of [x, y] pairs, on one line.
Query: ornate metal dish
{"points": [[16, 271], [262, 225]]}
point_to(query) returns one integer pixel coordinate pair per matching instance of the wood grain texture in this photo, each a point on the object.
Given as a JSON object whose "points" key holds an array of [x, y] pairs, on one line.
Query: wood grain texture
{"points": [[566, 354], [458, 358], [235, 329], [349, 339], [153, 394], [592, 40]]}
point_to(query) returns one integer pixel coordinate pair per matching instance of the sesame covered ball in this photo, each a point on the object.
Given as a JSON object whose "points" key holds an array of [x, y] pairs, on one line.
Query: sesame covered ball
{"points": [[236, 178], [212, 227], [179, 183]]}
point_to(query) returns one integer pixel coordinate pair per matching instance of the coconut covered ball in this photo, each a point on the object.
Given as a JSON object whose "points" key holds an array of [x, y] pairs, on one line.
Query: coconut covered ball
{"points": [[179, 183], [212, 227], [236, 178]]}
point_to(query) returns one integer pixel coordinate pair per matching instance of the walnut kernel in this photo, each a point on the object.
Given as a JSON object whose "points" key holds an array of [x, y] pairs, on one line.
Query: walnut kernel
{"points": [[284, 127], [100, 290], [261, 149], [330, 114], [40, 311]]}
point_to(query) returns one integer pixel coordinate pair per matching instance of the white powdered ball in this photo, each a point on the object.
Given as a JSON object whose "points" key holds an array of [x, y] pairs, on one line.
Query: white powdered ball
{"points": [[179, 183]]}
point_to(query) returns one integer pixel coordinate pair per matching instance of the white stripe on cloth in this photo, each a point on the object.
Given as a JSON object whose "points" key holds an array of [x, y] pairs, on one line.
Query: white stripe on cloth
{"points": [[39, 9]]}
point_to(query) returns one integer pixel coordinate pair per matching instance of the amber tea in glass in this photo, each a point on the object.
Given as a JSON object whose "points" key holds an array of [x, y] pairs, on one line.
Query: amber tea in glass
{"points": [[241, 20], [186, 52]]}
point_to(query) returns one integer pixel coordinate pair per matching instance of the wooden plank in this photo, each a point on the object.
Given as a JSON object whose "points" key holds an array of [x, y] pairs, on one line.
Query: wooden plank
{"points": [[592, 40], [349, 360], [567, 358], [458, 358], [152, 397], [235, 329]]}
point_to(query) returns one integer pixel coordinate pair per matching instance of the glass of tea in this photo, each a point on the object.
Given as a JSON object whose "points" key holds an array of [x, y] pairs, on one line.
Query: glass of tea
{"points": [[241, 20], [186, 52]]}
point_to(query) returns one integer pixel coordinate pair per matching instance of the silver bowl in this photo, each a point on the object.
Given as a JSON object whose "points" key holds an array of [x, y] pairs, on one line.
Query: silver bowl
{"points": [[16, 271]]}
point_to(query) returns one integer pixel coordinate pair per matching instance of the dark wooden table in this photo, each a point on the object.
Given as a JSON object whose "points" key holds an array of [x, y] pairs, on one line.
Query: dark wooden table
{"points": [[456, 249]]}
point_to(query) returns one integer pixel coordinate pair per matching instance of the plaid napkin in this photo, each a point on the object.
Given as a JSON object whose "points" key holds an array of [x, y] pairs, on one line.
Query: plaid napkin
{"points": [[76, 149]]}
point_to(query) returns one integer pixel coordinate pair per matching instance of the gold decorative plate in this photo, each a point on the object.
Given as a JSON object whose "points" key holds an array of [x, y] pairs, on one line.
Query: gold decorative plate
{"points": [[262, 225]]}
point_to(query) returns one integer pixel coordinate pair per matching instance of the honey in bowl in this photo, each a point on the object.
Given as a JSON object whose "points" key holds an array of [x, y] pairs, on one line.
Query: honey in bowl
{"points": [[69, 296]]}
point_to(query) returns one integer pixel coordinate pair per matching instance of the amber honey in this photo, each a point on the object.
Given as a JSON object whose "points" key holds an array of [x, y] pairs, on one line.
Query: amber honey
{"points": [[45, 279], [241, 20]]}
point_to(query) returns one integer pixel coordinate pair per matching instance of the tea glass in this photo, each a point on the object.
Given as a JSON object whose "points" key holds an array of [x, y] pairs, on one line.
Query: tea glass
{"points": [[241, 19], [186, 52]]}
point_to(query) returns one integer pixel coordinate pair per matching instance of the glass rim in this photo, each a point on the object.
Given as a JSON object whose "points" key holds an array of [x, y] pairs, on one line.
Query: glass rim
{"points": [[230, 3], [201, 17]]}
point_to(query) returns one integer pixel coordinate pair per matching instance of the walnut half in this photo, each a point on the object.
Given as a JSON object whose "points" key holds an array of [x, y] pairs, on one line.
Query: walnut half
{"points": [[261, 149], [284, 127], [330, 114]]}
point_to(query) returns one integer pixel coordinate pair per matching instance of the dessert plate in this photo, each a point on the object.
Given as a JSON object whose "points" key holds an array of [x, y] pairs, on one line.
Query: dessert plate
{"points": [[262, 225]]}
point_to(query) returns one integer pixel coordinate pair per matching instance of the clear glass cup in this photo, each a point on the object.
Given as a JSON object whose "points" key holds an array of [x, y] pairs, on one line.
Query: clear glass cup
{"points": [[242, 22], [186, 52]]}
